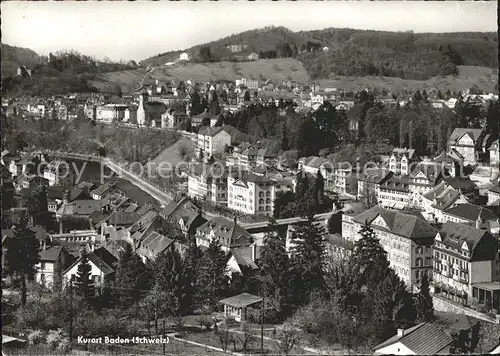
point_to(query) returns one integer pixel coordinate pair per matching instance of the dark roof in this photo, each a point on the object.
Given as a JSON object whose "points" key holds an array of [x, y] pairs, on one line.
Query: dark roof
{"points": [[408, 152], [460, 182], [107, 256], [444, 196], [396, 183], [376, 176], [210, 131], [51, 254], [81, 207], [4, 172], [98, 262], [495, 188], [472, 212], [228, 232], [482, 245], [458, 132], [154, 244], [241, 300], [409, 224], [422, 339], [123, 218], [103, 188], [55, 192], [136, 194]]}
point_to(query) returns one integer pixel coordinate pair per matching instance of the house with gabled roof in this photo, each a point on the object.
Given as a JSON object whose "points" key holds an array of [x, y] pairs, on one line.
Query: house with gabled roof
{"points": [[440, 198], [242, 260], [400, 160], [212, 140], [494, 150], [228, 232], [102, 274], [405, 235], [52, 262], [421, 339], [466, 264], [153, 245], [422, 179], [468, 142], [371, 179], [184, 214]]}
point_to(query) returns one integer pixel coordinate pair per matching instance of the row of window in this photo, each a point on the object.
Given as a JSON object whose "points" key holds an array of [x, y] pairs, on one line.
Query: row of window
{"points": [[390, 197]]}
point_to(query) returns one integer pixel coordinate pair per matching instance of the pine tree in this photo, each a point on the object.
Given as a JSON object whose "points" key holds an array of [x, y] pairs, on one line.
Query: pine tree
{"points": [[370, 259], [170, 278], [423, 301], [132, 277], [22, 256], [84, 284], [212, 280], [308, 258], [274, 264], [319, 189], [285, 144], [246, 96], [190, 264]]}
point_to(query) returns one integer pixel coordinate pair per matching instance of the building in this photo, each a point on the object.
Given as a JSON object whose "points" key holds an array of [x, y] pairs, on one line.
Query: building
{"points": [[55, 171], [172, 119], [473, 215], [371, 180], [422, 179], [184, 57], [494, 194], [422, 339], [253, 56], [236, 307], [110, 113], [466, 265], [401, 160], [101, 272], [439, 199], [185, 216], [494, 153], [244, 156], [212, 141], [241, 261], [314, 164], [149, 112], [49, 269], [266, 157], [467, 142], [228, 232], [344, 179], [394, 193], [208, 182], [406, 237], [251, 194]]}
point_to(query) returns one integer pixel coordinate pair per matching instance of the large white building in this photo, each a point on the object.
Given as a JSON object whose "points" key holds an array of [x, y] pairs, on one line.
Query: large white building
{"points": [[212, 140], [406, 237], [251, 194], [208, 182], [466, 264], [467, 142]]}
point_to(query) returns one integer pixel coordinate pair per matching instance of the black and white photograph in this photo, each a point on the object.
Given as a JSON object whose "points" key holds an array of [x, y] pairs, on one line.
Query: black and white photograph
{"points": [[250, 178]]}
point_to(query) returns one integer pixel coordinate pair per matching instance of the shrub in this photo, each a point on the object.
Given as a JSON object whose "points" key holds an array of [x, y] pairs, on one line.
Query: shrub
{"points": [[36, 337]]}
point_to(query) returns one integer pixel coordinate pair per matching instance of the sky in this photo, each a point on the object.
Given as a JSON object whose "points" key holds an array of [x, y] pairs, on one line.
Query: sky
{"points": [[137, 30]]}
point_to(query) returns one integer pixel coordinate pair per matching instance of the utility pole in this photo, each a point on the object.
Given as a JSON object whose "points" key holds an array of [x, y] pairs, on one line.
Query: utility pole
{"points": [[262, 326], [70, 311]]}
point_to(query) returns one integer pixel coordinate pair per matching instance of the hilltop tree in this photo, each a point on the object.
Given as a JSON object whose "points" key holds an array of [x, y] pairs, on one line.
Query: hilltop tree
{"points": [[22, 256], [246, 96], [212, 280], [84, 285]]}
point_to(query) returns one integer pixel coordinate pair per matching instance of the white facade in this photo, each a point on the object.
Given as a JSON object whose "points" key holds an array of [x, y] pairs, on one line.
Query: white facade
{"points": [[466, 147], [213, 144], [251, 196], [96, 274]]}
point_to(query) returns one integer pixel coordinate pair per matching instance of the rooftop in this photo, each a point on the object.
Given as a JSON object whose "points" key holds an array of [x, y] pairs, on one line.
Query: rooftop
{"points": [[241, 300]]}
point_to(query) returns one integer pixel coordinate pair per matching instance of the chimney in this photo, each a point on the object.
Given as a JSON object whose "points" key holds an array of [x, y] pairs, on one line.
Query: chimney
{"points": [[401, 333], [254, 251], [61, 226], [478, 223]]}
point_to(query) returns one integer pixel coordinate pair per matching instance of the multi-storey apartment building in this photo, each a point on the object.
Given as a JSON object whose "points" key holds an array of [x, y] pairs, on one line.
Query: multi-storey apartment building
{"points": [[422, 179], [406, 237], [251, 194], [208, 182], [466, 263], [244, 155], [212, 140], [439, 199], [394, 193]]}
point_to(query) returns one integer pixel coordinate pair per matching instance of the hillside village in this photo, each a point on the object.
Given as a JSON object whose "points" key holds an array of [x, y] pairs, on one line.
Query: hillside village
{"points": [[335, 220]]}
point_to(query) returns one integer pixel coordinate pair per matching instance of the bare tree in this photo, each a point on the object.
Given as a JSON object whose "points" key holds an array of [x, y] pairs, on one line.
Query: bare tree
{"points": [[246, 338], [222, 331], [288, 338]]}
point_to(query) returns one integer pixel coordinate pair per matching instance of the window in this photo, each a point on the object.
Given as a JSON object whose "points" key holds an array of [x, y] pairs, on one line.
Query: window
{"points": [[268, 194], [261, 194], [417, 274]]}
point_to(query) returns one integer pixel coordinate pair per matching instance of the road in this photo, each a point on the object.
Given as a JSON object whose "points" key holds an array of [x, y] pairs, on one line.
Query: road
{"points": [[162, 197]]}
